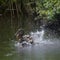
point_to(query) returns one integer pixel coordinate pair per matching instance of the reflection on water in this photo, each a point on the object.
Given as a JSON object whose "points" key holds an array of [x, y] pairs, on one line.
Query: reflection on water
{"points": [[40, 51]]}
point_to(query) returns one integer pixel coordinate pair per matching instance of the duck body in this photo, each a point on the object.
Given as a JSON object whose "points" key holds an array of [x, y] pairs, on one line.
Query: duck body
{"points": [[25, 40], [28, 38]]}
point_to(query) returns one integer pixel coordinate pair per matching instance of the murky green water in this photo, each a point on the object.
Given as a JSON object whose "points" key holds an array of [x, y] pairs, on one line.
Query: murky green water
{"points": [[48, 49]]}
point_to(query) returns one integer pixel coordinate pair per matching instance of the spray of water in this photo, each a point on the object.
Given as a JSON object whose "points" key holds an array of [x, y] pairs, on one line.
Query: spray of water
{"points": [[38, 36]]}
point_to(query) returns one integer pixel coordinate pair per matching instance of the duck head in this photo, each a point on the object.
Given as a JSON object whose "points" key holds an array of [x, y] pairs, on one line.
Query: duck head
{"points": [[19, 33]]}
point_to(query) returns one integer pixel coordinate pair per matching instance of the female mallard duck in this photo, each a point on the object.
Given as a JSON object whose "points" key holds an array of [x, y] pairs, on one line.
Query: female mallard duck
{"points": [[21, 37]]}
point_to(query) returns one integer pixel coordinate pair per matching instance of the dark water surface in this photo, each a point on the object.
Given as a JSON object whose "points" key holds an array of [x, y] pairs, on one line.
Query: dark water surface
{"points": [[47, 48]]}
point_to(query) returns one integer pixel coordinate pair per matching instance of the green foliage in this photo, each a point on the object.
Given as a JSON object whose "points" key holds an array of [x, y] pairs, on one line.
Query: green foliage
{"points": [[47, 8]]}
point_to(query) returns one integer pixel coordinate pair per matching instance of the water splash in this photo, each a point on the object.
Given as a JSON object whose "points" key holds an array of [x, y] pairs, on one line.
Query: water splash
{"points": [[38, 36]]}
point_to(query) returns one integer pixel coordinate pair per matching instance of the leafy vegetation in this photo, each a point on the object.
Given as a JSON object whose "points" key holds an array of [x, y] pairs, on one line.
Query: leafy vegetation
{"points": [[45, 8], [34, 9], [48, 8]]}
